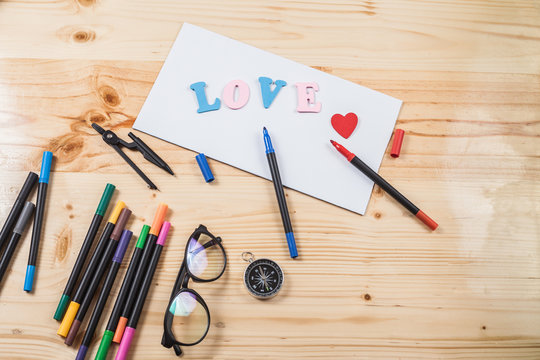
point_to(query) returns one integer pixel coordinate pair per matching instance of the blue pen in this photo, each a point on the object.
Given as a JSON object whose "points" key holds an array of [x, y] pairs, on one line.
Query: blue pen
{"points": [[38, 221], [278, 186]]}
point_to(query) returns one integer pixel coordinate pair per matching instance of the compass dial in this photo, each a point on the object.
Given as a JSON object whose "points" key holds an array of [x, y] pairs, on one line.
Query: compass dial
{"points": [[263, 278]]}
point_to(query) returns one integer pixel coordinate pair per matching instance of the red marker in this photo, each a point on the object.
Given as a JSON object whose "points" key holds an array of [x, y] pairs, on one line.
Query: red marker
{"points": [[377, 179]]}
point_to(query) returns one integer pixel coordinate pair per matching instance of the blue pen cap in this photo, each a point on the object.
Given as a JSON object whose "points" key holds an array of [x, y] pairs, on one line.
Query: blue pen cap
{"points": [[205, 169], [292, 245], [29, 279], [46, 162]]}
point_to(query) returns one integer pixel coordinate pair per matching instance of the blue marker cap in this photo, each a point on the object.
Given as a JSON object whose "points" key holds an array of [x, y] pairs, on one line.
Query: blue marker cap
{"points": [[46, 162], [29, 279], [122, 246], [205, 169], [292, 245], [81, 354]]}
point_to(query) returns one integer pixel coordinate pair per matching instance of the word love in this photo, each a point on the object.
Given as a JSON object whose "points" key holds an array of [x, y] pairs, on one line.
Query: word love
{"points": [[236, 95]]}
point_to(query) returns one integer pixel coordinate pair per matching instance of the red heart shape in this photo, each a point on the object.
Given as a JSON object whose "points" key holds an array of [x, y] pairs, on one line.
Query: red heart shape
{"points": [[344, 125]]}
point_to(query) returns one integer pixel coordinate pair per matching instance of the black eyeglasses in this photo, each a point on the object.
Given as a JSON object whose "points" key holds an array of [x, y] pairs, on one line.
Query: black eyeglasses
{"points": [[187, 318]]}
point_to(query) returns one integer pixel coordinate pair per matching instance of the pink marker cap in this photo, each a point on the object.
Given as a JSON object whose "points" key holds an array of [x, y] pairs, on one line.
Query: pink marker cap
{"points": [[163, 233], [123, 349]]}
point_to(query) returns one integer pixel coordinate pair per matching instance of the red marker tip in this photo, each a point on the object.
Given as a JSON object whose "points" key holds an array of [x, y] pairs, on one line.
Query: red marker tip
{"points": [[349, 155]]}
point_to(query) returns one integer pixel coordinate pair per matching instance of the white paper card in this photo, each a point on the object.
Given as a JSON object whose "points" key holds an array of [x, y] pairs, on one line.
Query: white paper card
{"points": [[307, 161]]}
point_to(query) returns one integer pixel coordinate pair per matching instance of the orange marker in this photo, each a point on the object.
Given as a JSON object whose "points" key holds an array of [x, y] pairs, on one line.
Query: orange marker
{"points": [[141, 270]]}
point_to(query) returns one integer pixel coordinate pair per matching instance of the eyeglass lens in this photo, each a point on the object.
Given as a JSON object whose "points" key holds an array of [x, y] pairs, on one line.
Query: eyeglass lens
{"points": [[190, 319], [205, 259]]}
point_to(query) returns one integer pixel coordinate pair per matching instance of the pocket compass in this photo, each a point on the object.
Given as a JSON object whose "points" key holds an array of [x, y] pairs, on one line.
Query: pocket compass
{"points": [[262, 277]]}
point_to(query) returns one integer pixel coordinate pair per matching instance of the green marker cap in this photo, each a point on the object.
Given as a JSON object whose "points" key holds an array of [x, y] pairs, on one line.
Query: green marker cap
{"points": [[142, 237], [105, 199], [61, 308], [104, 345]]}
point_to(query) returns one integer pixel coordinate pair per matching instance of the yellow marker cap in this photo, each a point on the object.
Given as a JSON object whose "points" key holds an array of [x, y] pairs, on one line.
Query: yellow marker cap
{"points": [[116, 212], [158, 219], [68, 319]]}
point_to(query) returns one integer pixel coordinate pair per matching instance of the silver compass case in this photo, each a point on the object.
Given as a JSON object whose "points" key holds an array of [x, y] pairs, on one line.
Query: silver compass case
{"points": [[263, 278]]}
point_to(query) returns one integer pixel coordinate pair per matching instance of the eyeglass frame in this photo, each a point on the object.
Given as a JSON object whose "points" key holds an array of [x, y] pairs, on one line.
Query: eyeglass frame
{"points": [[168, 339]]}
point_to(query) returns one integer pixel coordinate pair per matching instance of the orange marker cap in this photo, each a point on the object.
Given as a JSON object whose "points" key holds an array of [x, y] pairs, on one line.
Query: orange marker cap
{"points": [[122, 322], [158, 219], [426, 220], [397, 142]]}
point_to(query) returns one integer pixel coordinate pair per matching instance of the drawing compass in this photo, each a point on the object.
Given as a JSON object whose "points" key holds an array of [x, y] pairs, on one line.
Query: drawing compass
{"points": [[116, 143]]}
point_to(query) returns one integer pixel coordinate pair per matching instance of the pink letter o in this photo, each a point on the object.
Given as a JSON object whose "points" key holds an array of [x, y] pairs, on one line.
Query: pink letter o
{"points": [[228, 94]]}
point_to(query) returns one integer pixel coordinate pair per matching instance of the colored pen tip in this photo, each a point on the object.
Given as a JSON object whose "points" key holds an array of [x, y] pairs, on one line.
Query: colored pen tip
{"points": [[349, 155]]}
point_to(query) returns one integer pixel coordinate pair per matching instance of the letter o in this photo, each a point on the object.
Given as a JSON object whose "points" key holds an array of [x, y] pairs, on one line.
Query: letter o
{"points": [[229, 92]]}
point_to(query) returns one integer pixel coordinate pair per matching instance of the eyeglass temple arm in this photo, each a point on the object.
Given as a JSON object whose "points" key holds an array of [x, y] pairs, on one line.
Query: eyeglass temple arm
{"points": [[164, 339], [212, 242], [177, 350]]}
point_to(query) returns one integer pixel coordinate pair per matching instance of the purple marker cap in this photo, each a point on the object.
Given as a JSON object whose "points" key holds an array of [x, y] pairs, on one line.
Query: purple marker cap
{"points": [[163, 233], [122, 246], [81, 354]]}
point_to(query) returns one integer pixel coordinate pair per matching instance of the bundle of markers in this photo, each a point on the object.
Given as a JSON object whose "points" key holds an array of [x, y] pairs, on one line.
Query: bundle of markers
{"points": [[18, 218], [107, 257]]}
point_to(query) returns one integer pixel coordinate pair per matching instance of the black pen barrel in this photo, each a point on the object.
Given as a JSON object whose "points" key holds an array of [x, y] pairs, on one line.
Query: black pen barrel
{"points": [[280, 194], [139, 276], [98, 275], [377, 179], [38, 222], [8, 253], [93, 263], [17, 207], [18, 229], [145, 287], [89, 295], [85, 249], [124, 290], [100, 304]]}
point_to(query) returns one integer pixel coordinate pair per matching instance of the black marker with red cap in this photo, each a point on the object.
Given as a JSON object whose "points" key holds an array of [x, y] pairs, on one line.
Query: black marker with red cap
{"points": [[377, 179]]}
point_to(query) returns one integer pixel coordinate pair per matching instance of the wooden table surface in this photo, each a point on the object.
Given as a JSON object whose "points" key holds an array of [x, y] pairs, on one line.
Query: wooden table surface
{"points": [[379, 286]]}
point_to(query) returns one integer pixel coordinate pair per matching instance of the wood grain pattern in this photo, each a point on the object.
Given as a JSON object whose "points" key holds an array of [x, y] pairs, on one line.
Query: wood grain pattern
{"points": [[378, 286]]}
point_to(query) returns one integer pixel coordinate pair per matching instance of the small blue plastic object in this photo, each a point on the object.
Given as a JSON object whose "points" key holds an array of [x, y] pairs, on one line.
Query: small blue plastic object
{"points": [[29, 279], [46, 162], [205, 169]]}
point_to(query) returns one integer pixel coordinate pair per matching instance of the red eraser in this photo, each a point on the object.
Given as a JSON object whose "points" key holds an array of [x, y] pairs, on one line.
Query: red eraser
{"points": [[396, 145]]}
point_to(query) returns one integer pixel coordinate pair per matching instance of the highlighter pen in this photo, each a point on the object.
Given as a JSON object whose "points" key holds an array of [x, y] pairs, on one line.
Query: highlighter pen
{"points": [[390, 190], [143, 265], [17, 207], [278, 186], [25, 215], [141, 297], [98, 275], [85, 248], [46, 162], [104, 293], [122, 295], [90, 270]]}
